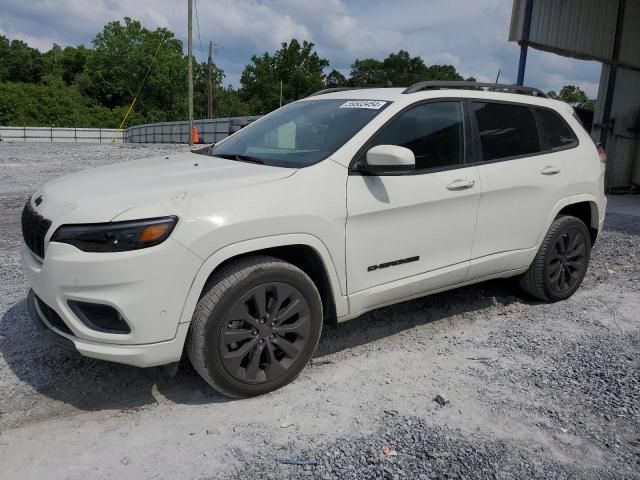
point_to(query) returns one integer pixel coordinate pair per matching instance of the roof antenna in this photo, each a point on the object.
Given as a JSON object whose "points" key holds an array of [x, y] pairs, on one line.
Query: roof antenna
{"points": [[498, 76]]}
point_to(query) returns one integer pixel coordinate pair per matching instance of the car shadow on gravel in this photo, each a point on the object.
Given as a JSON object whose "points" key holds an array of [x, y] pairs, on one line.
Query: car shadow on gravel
{"points": [[86, 383], [620, 222], [92, 385], [388, 321]]}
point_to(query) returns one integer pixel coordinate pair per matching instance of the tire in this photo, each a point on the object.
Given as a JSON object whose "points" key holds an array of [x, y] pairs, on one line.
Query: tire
{"points": [[256, 326], [561, 262]]}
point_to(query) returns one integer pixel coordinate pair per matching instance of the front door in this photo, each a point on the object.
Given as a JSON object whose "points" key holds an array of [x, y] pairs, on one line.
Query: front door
{"points": [[414, 228]]}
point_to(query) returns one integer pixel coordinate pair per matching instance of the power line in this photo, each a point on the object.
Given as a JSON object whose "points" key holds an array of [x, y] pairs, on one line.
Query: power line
{"points": [[144, 79], [195, 4]]}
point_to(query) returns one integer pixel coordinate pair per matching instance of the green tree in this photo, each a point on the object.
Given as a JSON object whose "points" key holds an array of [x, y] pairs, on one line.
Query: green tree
{"points": [[335, 79], [573, 95], [23, 63], [398, 70], [52, 62], [297, 66], [95, 86], [123, 52], [65, 64], [402, 70], [444, 73], [201, 88], [229, 103], [74, 61], [5, 52], [368, 73], [53, 103]]}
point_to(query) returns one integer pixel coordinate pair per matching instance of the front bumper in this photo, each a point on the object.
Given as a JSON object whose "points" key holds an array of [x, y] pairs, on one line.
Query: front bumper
{"points": [[147, 287], [149, 355]]}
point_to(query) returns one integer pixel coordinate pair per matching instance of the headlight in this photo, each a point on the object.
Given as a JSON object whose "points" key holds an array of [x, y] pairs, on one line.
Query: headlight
{"points": [[116, 236]]}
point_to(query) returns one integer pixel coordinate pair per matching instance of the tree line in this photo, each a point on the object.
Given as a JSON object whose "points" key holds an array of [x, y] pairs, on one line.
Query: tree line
{"points": [[94, 87]]}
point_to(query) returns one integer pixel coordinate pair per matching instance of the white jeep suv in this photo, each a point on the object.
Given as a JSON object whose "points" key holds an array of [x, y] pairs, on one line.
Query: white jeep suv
{"points": [[331, 206]]}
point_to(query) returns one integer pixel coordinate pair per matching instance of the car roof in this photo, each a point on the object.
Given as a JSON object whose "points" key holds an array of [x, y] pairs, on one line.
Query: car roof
{"points": [[390, 94], [396, 95]]}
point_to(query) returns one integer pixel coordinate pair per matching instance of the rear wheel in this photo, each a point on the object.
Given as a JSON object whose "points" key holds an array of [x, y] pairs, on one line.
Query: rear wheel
{"points": [[256, 327], [561, 262]]}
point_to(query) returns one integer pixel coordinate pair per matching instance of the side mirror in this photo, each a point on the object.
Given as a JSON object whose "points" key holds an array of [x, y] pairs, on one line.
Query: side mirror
{"points": [[389, 157]]}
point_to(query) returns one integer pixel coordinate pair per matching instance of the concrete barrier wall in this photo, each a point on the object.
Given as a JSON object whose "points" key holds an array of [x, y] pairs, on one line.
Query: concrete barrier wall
{"points": [[209, 130], [58, 134]]}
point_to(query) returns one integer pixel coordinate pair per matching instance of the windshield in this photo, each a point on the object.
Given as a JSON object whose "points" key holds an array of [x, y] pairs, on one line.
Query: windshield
{"points": [[301, 133]]}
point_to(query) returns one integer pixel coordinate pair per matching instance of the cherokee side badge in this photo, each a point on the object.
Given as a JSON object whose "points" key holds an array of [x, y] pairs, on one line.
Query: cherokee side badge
{"points": [[393, 263]]}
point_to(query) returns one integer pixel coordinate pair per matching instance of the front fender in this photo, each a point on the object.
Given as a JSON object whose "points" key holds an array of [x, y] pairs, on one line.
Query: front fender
{"points": [[256, 244]]}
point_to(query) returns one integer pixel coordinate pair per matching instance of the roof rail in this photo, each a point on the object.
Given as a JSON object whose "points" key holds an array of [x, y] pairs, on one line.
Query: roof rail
{"points": [[496, 87], [337, 89]]}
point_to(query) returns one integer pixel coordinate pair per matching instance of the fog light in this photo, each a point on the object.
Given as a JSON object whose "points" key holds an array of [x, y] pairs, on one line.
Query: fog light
{"points": [[99, 317]]}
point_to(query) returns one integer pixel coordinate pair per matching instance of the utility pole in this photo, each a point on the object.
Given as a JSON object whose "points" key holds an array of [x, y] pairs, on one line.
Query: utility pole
{"points": [[280, 92], [210, 103], [190, 68]]}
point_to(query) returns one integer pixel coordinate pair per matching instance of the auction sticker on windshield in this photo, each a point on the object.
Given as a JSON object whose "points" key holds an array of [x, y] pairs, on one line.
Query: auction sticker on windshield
{"points": [[371, 104]]}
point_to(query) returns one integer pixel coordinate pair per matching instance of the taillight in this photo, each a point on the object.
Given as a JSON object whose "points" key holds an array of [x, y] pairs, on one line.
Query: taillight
{"points": [[601, 153]]}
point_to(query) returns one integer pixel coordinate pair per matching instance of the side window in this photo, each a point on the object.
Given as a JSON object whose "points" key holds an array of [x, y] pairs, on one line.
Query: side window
{"points": [[555, 129], [505, 130], [432, 131]]}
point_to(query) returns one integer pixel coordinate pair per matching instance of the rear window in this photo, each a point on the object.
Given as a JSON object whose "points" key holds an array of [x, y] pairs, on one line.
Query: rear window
{"points": [[556, 131], [505, 130]]}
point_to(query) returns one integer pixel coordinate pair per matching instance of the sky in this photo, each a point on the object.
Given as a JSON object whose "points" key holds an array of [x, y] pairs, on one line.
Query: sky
{"points": [[469, 34]]}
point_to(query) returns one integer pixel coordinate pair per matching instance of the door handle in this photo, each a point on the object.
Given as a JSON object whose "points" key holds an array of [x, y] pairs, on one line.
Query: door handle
{"points": [[461, 184], [550, 170]]}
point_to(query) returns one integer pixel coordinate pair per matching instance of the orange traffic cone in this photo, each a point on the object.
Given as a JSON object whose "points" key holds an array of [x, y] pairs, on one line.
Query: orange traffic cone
{"points": [[194, 135]]}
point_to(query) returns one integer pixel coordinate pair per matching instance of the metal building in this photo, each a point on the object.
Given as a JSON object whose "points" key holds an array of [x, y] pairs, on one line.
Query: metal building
{"points": [[607, 31]]}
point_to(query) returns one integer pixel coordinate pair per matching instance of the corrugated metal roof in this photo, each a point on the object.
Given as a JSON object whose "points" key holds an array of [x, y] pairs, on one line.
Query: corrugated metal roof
{"points": [[583, 27], [580, 28], [630, 44]]}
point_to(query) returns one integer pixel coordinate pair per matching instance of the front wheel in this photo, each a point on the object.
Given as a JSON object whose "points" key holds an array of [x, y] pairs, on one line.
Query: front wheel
{"points": [[256, 327], [561, 262]]}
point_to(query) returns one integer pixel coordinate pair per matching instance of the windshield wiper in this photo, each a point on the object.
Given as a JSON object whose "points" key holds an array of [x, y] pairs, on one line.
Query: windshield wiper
{"points": [[239, 158]]}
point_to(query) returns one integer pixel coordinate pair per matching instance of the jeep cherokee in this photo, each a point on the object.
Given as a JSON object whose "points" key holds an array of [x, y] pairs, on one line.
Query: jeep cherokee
{"points": [[331, 206]]}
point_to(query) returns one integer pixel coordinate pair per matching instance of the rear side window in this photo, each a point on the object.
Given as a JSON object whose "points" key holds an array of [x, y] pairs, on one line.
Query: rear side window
{"points": [[432, 131], [556, 131], [505, 130]]}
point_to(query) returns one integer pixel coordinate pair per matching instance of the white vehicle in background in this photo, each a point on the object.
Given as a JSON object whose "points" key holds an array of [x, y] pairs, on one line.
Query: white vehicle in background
{"points": [[329, 207]]}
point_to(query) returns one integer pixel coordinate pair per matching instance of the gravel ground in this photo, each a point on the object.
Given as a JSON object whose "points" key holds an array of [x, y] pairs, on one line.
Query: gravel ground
{"points": [[532, 390]]}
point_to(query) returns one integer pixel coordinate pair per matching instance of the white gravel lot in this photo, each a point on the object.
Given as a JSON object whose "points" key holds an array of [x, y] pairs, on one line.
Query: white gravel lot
{"points": [[535, 390]]}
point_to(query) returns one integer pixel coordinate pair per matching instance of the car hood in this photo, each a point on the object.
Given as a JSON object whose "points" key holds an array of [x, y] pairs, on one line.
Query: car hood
{"points": [[103, 193]]}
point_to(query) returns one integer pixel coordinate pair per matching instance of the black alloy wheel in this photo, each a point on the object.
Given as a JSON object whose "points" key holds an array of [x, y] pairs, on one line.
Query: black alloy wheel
{"points": [[265, 332], [561, 261], [567, 260], [255, 327]]}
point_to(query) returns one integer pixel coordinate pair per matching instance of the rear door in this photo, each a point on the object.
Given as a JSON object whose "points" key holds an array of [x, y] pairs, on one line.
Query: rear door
{"points": [[522, 180]]}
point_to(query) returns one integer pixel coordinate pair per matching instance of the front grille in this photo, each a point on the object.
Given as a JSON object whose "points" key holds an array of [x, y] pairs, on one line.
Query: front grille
{"points": [[52, 317], [34, 228]]}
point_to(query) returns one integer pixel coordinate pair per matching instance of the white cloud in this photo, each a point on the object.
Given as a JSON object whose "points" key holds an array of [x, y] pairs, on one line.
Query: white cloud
{"points": [[36, 41], [470, 34]]}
